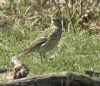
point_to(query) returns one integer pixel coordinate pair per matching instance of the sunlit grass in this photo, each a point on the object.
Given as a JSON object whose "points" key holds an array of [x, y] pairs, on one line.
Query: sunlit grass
{"points": [[70, 55]]}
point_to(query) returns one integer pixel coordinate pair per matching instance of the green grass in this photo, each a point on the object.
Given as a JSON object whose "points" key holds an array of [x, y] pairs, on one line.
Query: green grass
{"points": [[70, 55]]}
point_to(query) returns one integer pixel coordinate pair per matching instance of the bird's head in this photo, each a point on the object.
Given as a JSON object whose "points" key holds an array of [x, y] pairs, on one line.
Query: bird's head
{"points": [[55, 20]]}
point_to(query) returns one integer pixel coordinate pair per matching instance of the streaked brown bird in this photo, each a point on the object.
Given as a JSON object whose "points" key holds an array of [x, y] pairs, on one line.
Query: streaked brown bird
{"points": [[47, 40]]}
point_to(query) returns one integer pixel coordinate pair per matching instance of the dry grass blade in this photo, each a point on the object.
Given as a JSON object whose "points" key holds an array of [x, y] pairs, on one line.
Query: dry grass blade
{"points": [[69, 15]]}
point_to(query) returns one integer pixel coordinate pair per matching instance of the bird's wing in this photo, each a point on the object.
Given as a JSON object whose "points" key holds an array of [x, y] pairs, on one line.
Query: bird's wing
{"points": [[34, 46], [44, 37]]}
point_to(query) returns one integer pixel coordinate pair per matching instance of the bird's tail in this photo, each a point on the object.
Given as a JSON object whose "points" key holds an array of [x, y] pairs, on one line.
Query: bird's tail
{"points": [[22, 54], [26, 51]]}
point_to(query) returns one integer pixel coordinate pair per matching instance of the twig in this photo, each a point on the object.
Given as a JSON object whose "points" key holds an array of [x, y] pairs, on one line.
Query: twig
{"points": [[69, 14], [81, 7]]}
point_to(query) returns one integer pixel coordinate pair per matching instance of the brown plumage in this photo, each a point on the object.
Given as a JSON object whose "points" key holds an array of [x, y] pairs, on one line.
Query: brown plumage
{"points": [[47, 40]]}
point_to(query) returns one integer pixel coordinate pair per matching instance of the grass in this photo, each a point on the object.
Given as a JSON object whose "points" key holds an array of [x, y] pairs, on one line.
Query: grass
{"points": [[70, 55], [19, 27]]}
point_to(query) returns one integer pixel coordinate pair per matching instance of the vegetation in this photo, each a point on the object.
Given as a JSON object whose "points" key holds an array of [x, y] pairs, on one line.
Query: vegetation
{"points": [[23, 20]]}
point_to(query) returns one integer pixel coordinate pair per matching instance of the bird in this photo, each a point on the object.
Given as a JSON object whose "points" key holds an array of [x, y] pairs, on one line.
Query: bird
{"points": [[48, 40]]}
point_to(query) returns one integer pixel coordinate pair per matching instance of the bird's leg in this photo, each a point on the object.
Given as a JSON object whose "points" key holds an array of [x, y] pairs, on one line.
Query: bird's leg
{"points": [[42, 56]]}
